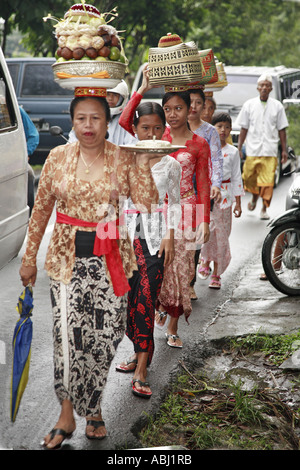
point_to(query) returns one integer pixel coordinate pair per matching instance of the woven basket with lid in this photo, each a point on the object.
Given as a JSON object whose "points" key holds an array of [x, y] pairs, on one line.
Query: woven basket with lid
{"points": [[175, 65]]}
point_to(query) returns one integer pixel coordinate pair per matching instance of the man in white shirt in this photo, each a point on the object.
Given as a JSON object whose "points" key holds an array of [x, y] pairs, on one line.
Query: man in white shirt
{"points": [[263, 122]]}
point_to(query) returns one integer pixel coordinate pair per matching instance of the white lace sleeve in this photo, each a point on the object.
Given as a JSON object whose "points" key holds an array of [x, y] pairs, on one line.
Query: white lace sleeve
{"points": [[173, 191], [236, 177]]}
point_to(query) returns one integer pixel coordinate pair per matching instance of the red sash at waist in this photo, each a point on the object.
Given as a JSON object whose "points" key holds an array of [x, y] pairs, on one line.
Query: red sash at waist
{"points": [[104, 245], [226, 181]]}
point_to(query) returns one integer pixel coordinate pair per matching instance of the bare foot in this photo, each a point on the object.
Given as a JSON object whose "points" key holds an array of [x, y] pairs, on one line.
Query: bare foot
{"points": [[193, 295]]}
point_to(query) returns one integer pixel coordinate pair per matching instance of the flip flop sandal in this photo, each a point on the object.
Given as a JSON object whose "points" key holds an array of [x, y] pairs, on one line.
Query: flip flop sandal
{"points": [[123, 368], [174, 338], [264, 215], [140, 393], [162, 319], [251, 206], [263, 277], [58, 432], [203, 272], [95, 424], [215, 282]]}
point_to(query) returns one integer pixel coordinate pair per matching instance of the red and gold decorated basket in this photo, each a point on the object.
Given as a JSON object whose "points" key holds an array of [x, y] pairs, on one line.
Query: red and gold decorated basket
{"points": [[222, 79], [208, 60]]}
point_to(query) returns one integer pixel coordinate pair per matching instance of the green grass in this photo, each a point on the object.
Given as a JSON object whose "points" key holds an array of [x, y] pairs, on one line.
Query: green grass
{"points": [[276, 348], [223, 418], [201, 415]]}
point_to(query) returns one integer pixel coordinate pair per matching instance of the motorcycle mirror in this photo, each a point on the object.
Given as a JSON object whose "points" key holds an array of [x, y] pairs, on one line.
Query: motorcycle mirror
{"points": [[291, 153], [57, 131]]}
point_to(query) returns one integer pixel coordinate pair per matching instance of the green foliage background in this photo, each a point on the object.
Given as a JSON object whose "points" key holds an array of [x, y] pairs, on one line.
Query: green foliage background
{"points": [[248, 32], [240, 32]]}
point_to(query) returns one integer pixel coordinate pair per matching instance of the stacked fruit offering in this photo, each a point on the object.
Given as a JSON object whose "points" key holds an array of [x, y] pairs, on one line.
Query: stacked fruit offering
{"points": [[84, 34]]}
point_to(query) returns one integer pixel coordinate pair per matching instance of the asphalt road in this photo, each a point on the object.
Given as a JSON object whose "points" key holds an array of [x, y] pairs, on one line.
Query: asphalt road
{"points": [[123, 413]]}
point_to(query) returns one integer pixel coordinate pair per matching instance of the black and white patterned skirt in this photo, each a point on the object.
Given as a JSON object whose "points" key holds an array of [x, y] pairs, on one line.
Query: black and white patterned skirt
{"points": [[88, 324]]}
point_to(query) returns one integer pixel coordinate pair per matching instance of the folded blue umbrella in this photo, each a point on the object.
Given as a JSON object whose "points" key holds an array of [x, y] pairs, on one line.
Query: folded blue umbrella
{"points": [[21, 350]]}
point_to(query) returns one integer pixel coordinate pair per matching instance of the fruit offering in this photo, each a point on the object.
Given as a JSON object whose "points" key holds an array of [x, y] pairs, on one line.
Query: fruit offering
{"points": [[84, 34]]}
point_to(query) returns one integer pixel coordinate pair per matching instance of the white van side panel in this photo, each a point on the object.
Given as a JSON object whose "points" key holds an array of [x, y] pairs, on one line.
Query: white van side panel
{"points": [[14, 212], [13, 176]]}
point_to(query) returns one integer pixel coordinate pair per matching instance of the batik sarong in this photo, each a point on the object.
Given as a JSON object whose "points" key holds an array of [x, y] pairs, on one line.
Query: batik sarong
{"points": [[145, 287], [89, 322]]}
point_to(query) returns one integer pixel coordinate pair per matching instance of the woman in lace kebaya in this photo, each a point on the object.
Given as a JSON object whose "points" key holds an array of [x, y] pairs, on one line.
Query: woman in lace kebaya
{"points": [[217, 250], [174, 298], [153, 241], [88, 284], [209, 133]]}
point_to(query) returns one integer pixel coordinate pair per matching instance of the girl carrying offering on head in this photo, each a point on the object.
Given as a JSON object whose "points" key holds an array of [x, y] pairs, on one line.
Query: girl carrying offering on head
{"points": [[153, 241], [174, 299]]}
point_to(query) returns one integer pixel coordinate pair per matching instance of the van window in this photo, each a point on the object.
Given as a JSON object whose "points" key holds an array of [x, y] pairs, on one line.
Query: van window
{"points": [[14, 73], [7, 115], [290, 86], [38, 80]]}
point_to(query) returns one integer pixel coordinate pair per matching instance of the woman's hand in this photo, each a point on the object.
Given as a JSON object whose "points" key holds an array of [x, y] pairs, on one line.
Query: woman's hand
{"points": [[167, 246], [202, 233], [237, 210], [28, 275], [215, 194], [145, 86]]}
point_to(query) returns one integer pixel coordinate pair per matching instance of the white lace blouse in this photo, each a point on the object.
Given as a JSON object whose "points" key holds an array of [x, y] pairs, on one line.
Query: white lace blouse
{"points": [[167, 175], [210, 134]]}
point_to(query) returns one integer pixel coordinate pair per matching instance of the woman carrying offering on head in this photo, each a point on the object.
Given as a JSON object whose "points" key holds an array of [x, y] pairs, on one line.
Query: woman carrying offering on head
{"points": [[153, 241], [89, 258], [209, 133], [174, 298]]}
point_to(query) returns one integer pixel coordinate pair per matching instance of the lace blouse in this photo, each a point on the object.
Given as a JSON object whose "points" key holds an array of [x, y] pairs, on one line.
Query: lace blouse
{"points": [[166, 174], [88, 201], [210, 134], [232, 185], [195, 158]]}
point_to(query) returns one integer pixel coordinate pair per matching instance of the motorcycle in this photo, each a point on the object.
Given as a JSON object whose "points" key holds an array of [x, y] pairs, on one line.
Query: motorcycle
{"points": [[281, 247]]}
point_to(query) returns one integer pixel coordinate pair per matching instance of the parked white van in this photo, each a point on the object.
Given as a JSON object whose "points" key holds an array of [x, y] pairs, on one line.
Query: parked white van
{"points": [[14, 212]]}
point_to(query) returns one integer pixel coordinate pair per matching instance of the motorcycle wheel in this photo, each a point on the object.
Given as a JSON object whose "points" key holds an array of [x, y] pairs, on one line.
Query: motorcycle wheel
{"points": [[281, 258]]}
